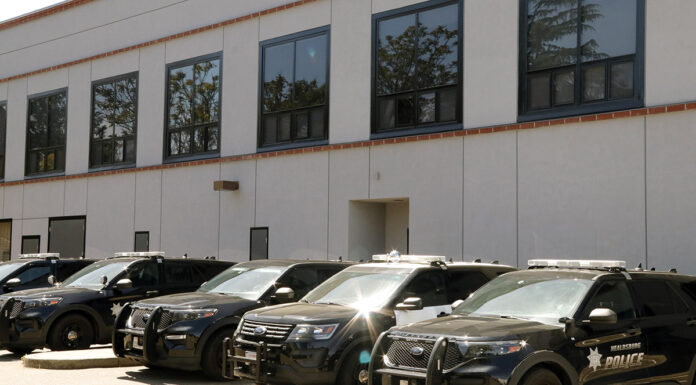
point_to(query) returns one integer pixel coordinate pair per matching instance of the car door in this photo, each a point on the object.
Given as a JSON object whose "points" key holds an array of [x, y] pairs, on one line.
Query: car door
{"points": [[431, 287], [611, 353], [667, 324], [145, 276]]}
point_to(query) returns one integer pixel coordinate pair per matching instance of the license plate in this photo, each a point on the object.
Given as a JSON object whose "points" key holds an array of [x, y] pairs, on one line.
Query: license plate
{"points": [[137, 343], [250, 355]]}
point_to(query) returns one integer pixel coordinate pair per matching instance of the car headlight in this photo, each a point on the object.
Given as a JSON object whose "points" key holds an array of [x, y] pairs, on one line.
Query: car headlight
{"points": [[189, 315], [471, 350], [30, 303], [313, 332]]}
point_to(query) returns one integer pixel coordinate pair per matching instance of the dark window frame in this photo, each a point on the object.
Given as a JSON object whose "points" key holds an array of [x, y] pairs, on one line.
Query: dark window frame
{"points": [[37, 237], [10, 222], [191, 155], [251, 241], [72, 217], [27, 149], [135, 240], [294, 143], [3, 139], [114, 165], [421, 128], [579, 107]]}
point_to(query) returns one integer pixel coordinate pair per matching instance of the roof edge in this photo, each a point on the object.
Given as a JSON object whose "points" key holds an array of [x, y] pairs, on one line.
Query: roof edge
{"points": [[41, 13]]}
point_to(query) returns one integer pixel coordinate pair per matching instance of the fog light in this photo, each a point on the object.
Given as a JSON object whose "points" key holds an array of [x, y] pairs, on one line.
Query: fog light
{"points": [[176, 337]]}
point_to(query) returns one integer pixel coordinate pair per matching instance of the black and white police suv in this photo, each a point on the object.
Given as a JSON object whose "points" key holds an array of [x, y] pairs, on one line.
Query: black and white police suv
{"points": [[81, 311], [31, 271], [326, 337], [562, 322]]}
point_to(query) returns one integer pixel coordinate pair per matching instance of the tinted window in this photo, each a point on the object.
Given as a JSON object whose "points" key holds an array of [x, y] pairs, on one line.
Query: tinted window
{"points": [[5, 239], [612, 295], [66, 269], [143, 274], [430, 287], [657, 298], [259, 243], [300, 279], [142, 241], [35, 275], [114, 120], [46, 131], [67, 237], [176, 273], [30, 244], [463, 283], [325, 273]]}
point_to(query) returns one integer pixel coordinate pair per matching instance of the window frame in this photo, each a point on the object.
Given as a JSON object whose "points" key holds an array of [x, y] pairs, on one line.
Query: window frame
{"points": [[54, 172], [422, 128], [166, 159], [30, 237], [135, 240], [9, 220], [51, 221], [251, 242], [294, 38], [579, 107], [100, 82], [3, 134]]}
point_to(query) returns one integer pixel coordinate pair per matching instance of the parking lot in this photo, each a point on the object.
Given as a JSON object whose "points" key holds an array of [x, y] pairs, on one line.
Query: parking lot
{"points": [[13, 372]]}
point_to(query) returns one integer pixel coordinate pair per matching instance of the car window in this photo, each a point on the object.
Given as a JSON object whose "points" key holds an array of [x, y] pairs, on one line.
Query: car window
{"points": [[177, 273], [143, 274], [612, 295], [430, 287], [327, 272], [66, 269], [300, 279], [657, 298], [35, 275], [463, 283]]}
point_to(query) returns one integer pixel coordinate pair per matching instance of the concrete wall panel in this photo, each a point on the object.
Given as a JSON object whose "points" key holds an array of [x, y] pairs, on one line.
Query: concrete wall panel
{"points": [[194, 45], [13, 199], [48, 81], [237, 210], [75, 197], [386, 5], [148, 197], [43, 200], [79, 115], [16, 129], [151, 95], [34, 227], [116, 65], [110, 212], [311, 15]]}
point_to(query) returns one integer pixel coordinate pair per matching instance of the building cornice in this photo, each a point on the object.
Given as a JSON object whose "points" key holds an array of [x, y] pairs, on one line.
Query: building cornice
{"points": [[41, 13]]}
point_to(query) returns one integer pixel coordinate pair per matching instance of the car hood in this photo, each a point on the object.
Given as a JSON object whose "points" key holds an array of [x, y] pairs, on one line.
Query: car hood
{"points": [[63, 292], [295, 313], [479, 328], [199, 300]]}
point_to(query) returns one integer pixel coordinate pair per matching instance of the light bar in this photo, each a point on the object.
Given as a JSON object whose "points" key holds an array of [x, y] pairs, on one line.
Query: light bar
{"points": [[395, 257], [39, 255], [577, 263], [140, 254]]}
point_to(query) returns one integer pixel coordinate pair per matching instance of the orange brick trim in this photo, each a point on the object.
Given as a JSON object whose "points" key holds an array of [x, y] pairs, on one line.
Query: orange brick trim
{"points": [[380, 142], [156, 41], [52, 10]]}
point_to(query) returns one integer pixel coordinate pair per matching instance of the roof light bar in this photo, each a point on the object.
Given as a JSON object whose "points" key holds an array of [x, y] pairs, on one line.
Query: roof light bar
{"points": [[577, 263], [140, 254], [395, 257], [39, 255]]}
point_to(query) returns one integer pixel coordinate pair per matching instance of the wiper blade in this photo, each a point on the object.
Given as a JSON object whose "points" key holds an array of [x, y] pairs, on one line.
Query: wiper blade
{"points": [[329, 303]]}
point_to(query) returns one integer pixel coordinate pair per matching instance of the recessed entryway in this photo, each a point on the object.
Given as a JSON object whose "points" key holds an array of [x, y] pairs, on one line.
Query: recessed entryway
{"points": [[377, 226]]}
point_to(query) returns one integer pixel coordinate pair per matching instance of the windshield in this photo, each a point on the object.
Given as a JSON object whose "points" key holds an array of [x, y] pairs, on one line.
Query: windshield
{"points": [[7, 268], [90, 276], [363, 288], [248, 282], [539, 297]]}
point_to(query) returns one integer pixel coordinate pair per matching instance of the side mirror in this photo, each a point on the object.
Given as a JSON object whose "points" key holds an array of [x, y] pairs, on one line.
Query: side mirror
{"points": [[284, 295], [603, 316], [51, 280], [411, 303], [104, 280], [14, 282], [456, 303], [124, 283]]}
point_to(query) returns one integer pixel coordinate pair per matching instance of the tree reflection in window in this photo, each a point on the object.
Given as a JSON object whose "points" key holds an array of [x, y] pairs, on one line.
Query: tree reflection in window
{"points": [[114, 116], [417, 68], [193, 124], [46, 129], [294, 97], [578, 51]]}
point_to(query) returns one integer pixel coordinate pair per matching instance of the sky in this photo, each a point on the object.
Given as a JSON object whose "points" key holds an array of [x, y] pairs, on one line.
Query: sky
{"points": [[13, 8]]}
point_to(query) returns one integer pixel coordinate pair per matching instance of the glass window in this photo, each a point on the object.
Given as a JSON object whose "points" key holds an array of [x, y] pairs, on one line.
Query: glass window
{"points": [[295, 95], [142, 241], [67, 237], [430, 287], [143, 274], [259, 243], [247, 280], [68, 268], [5, 239], [417, 68], [578, 52], [612, 295], [463, 283], [657, 298], [176, 273], [35, 275], [3, 133], [114, 118], [301, 280], [30, 244], [46, 131], [193, 124]]}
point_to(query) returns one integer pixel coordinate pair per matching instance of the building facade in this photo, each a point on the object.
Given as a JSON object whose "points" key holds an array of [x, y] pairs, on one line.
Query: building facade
{"points": [[497, 129]]}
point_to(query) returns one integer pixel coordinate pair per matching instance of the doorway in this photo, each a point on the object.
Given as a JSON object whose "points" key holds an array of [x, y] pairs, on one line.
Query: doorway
{"points": [[67, 236], [377, 226]]}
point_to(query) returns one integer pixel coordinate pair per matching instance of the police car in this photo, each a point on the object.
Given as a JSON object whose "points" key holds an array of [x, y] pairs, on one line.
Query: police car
{"points": [[31, 271], [559, 322], [326, 337], [81, 311]]}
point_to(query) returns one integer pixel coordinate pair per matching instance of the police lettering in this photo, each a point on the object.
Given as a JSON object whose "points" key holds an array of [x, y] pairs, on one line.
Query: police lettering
{"points": [[624, 361]]}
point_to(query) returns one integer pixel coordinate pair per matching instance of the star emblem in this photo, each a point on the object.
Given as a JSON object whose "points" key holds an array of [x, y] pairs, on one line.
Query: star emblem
{"points": [[595, 359], [116, 308]]}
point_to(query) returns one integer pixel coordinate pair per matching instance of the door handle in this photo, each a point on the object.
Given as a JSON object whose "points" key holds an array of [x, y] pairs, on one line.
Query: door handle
{"points": [[634, 331], [152, 292]]}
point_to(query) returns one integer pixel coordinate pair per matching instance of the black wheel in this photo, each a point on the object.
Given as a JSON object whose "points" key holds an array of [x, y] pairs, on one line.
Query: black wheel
{"points": [[541, 377], [20, 352], [211, 359], [354, 368], [71, 332]]}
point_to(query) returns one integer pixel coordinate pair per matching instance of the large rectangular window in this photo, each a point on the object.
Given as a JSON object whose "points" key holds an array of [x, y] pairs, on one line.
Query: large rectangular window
{"points": [[46, 130], [417, 79], [580, 56], [295, 92], [5, 239], [66, 236], [3, 133], [114, 118], [258, 245], [193, 107]]}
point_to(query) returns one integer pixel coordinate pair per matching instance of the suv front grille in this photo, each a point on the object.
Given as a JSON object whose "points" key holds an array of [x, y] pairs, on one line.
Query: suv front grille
{"points": [[399, 354], [17, 308], [136, 321], [274, 333]]}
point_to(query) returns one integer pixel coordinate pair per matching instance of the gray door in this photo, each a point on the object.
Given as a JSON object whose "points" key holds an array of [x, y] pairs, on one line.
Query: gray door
{"points": [[67, 237]]}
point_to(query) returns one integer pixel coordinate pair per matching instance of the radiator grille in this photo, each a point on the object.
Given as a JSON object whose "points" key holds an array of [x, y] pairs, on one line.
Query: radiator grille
{"points": [[274, 333], [17, 308], [399, 354]]}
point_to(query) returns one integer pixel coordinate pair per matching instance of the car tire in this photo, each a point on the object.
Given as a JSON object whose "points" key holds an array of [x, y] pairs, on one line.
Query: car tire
{"points": [[20, 352], [354, 368], [211, 359], [70, 333], [541, 377]]}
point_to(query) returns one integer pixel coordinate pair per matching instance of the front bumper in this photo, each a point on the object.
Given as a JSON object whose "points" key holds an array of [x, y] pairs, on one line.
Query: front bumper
{"points": [[282, 363], [22, 328]]}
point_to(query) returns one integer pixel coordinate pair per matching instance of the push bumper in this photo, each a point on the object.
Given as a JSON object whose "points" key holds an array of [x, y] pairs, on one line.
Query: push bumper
{"points": [[24, 331]]}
